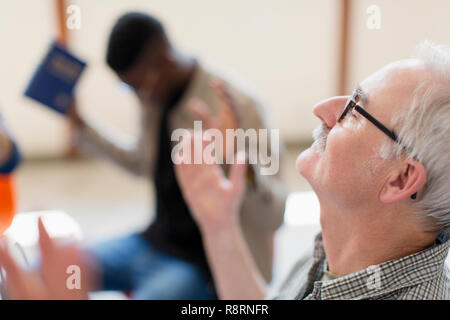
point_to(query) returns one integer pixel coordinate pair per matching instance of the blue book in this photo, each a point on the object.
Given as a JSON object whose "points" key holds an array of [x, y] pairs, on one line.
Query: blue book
{"points": [[54, 81]]}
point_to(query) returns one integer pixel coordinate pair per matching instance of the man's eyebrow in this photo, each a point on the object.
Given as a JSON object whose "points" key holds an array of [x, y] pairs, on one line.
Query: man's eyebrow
{"points": [[363, 96]]}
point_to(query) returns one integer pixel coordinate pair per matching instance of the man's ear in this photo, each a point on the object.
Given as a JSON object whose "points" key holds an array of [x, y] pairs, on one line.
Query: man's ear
{"points": [[404, 182]]}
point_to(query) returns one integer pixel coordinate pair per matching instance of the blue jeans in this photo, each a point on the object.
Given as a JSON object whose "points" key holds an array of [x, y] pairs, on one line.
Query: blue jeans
{"points": [[133, 264]]}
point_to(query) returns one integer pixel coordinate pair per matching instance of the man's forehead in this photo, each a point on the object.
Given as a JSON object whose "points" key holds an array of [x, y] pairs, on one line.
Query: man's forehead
{"points": [[362, 95], [393, 84]]}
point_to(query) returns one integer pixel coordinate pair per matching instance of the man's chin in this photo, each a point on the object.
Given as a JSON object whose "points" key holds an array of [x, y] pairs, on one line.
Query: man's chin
{"points": [[307, 161]]}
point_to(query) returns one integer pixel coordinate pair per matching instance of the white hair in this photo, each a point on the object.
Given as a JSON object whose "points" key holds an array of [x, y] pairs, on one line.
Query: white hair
{"points": [[425, 131]]}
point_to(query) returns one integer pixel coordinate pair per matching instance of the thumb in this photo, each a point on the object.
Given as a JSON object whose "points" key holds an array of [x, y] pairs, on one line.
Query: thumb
{"points": [[238, 172]]}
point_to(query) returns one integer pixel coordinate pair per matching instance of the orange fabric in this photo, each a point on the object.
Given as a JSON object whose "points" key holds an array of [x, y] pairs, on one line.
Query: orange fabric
{"points": [[7, 201]]}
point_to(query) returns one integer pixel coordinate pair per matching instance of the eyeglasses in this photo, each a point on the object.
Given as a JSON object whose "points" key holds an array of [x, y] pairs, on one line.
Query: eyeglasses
{"points": [[353, 105]]}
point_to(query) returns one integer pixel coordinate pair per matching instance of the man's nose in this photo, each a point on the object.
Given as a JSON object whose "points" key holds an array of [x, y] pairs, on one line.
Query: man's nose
{"points": [[330, 109]]}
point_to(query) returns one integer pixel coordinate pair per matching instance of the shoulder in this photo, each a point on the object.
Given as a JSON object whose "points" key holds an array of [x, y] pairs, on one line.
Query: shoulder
{"points": [[437, 288], [250, 101]]}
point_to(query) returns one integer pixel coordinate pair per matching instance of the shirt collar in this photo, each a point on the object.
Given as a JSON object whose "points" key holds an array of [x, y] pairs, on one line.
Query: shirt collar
{"points": [[385, 277]]}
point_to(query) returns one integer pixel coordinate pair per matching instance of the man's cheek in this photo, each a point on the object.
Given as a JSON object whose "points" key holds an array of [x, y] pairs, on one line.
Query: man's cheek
{"points": [[335, 145], [339, 156]]}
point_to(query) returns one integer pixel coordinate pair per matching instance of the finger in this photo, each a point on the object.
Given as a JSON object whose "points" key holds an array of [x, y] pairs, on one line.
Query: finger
{"points": [[188, 173], [219, 86], [195, 180], [214, 148], [184, 158], [229, 104], [238, 171], [200, 109], [187, 145], [15, 275], [214, 81], [45, 242], [6, 261]]}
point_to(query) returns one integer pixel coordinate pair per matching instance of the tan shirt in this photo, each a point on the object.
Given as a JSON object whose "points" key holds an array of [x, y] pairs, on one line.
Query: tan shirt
{"points": [[263, 205]]}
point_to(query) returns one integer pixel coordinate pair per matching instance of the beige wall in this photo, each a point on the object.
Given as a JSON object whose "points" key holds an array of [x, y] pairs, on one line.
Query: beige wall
{"points": [[288, 49], [26, 28], [404, 24], [284, 48]]}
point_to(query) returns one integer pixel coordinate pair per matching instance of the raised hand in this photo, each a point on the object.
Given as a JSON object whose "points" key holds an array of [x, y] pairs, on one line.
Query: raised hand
{"points": [[51, 280], [215, 202], [213, 198], [226, 118]]}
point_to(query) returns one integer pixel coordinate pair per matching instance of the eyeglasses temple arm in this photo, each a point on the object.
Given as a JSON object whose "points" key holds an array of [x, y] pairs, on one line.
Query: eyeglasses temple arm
{"points": [[379, 125]]}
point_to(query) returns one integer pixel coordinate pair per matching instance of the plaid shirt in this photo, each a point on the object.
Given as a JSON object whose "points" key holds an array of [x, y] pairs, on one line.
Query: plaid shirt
{"points": [[423, 275]]}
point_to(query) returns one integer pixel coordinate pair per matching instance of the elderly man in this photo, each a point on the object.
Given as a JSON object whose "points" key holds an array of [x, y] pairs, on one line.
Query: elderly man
{"points": [[380, 168]]}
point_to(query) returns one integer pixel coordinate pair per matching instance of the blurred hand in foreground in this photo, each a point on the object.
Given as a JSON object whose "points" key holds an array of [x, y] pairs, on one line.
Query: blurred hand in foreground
{"points": [[56, 277]]}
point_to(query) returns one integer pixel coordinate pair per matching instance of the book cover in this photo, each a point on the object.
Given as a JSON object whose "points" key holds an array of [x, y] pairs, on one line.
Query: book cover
{"points": [[53, 83]]}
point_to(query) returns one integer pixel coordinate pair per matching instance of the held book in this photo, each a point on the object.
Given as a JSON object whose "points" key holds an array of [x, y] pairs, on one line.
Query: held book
{"points": [[53, 83]]}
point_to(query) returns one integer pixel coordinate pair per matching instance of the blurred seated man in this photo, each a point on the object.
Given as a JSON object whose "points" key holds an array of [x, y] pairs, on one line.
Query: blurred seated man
{"points": [[380, 167], [167, 259]]}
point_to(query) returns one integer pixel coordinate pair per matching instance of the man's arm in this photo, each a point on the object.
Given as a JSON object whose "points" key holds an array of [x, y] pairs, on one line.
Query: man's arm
{"points": [[234, 270], [264, 204], [135, 157], [215, 201]]}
